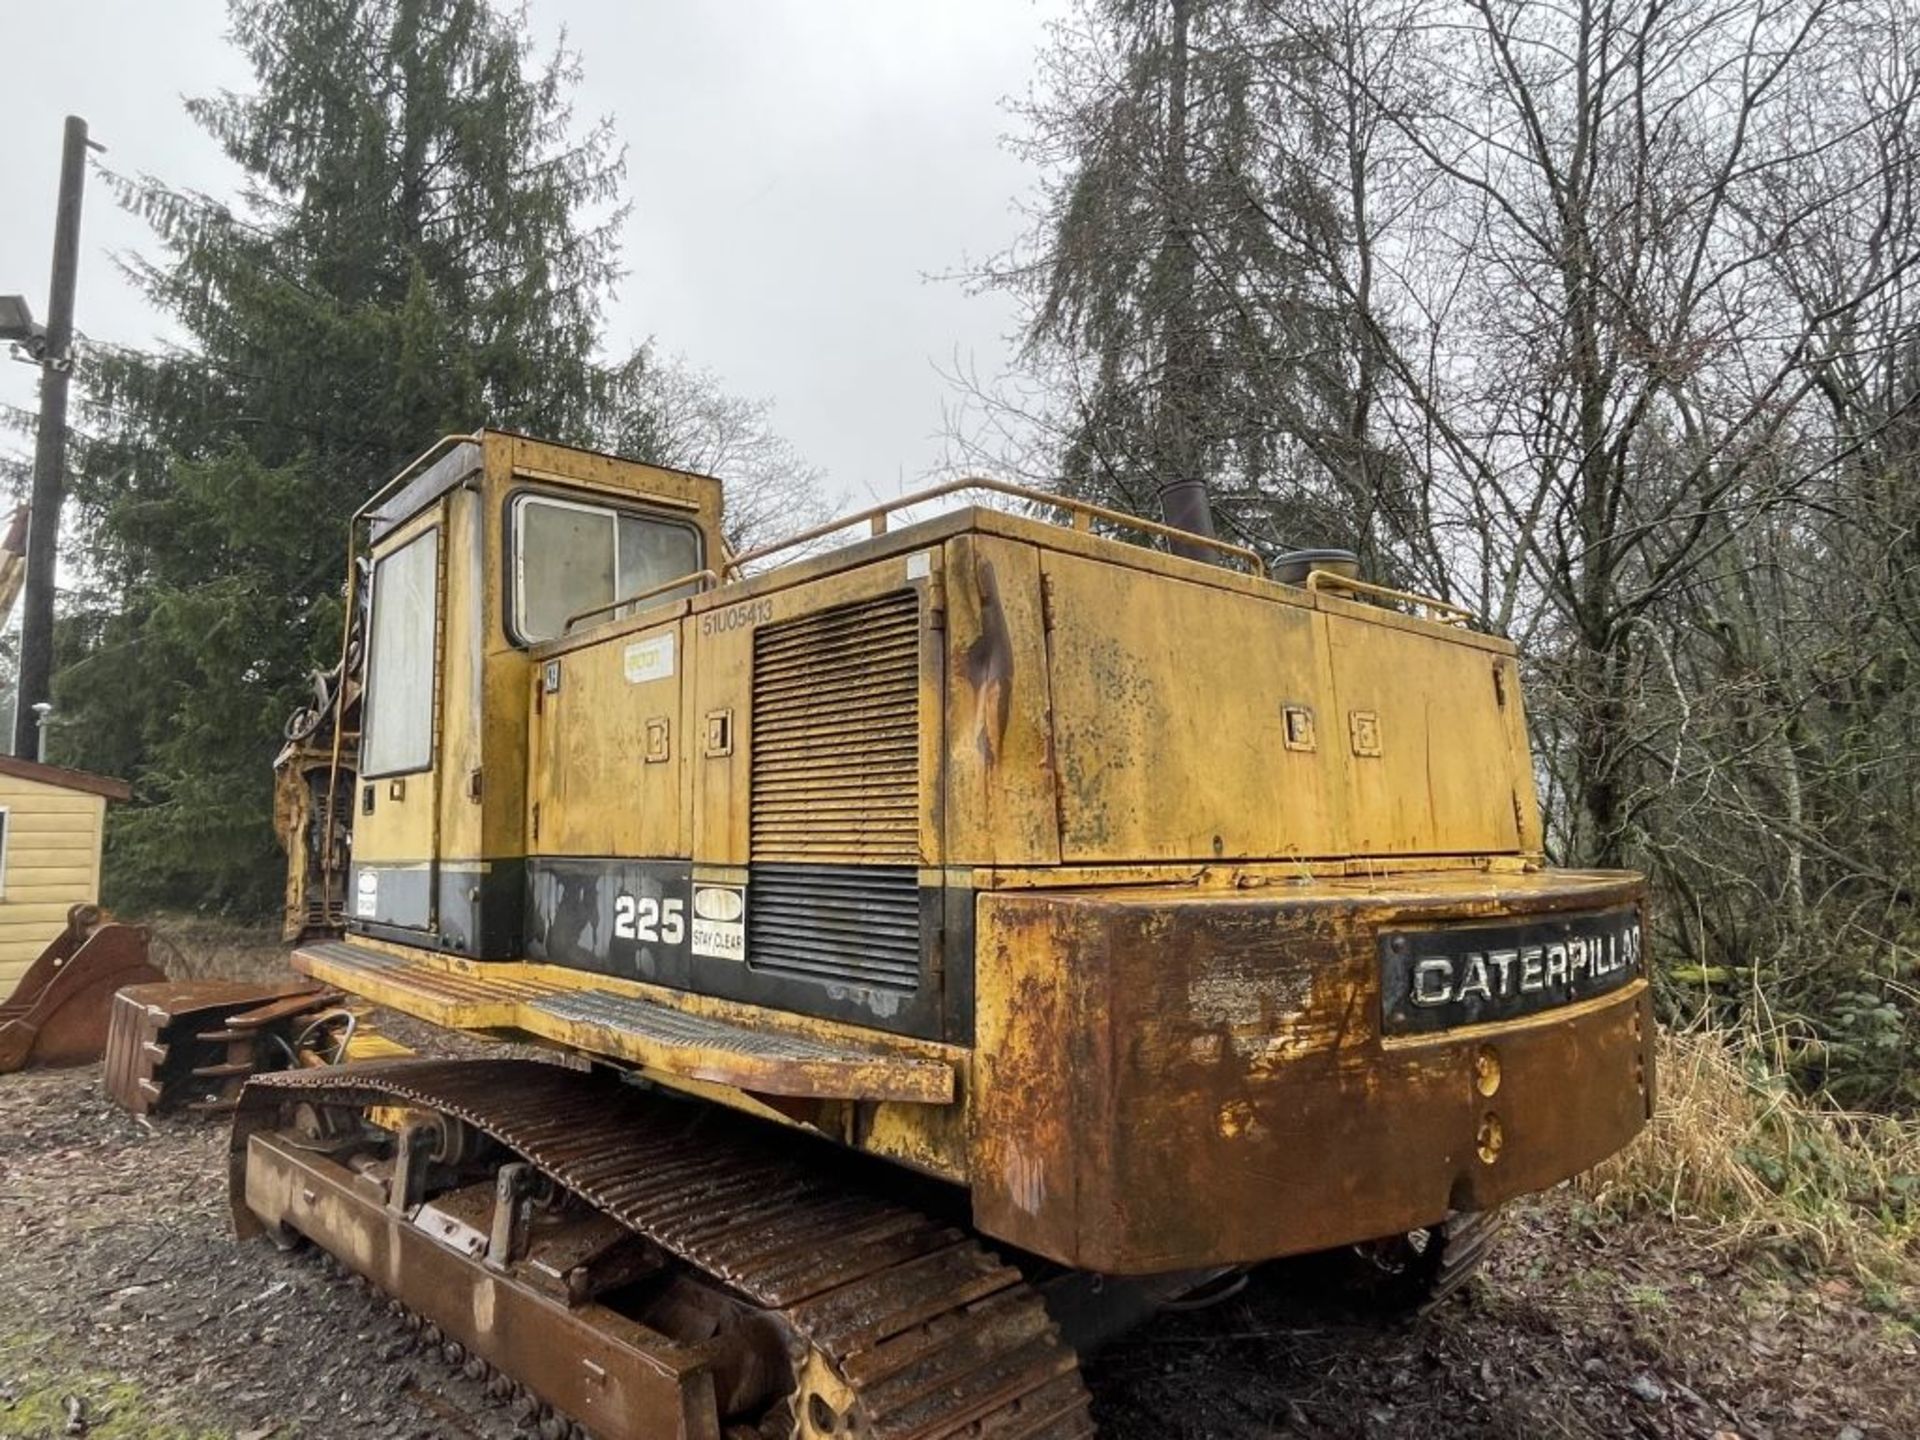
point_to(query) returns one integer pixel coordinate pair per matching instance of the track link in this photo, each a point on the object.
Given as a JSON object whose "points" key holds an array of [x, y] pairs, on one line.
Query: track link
{"points": [[1464, 1241], [905, 1326]]}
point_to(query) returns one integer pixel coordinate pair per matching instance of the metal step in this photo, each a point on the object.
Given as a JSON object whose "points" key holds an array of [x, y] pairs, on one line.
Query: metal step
{"points": [[673, 1033], [436, 991]]}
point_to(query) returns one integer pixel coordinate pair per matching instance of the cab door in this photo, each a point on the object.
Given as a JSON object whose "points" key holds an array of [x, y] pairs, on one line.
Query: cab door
{"points": [[394, 878], [419, 872]]}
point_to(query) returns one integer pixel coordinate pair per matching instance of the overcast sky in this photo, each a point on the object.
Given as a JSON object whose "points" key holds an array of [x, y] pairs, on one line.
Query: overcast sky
{"points": [[797, 168]]}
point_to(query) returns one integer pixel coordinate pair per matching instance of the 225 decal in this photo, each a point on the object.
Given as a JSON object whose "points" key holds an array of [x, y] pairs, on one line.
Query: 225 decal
{"points": [[650, 920]]}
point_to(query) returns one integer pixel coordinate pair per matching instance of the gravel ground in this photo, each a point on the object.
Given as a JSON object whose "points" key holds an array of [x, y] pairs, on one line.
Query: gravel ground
{"points": [[125, 1301]]}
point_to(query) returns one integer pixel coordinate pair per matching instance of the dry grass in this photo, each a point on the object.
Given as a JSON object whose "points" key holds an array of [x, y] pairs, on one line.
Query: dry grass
{"points": [[1737, 1155], [191, 947]]}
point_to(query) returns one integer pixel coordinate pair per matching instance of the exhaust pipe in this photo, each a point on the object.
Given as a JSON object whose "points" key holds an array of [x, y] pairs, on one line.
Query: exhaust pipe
{"points": [[1183, 505]]}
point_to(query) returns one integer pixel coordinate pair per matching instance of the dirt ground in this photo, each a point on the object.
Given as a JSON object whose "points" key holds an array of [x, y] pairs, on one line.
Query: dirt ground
{"points": [[127, 1312]]}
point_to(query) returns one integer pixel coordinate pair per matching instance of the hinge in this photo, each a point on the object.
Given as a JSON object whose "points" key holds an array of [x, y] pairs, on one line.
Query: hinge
{"points": [[536, 820], [1500, 684], [1046, 603], [937, 601]]}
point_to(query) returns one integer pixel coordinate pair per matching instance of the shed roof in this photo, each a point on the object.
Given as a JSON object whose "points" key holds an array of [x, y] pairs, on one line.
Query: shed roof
{"points": [[66, 779]]}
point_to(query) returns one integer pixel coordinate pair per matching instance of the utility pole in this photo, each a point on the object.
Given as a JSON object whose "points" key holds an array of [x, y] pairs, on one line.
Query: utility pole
{"points": [[50, 454]]}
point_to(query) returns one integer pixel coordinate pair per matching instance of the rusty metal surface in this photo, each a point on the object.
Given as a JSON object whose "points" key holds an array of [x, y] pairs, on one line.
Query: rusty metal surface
{"points": [[613, 1011], [901, 1321], [312, 806], [1161, 1079], [58, 1014], [615, 1376], [181, 1042], [596, 1015], [1172, 1079]]}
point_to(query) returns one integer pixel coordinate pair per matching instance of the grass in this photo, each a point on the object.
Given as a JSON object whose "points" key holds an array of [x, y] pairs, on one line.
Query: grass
{"points": [[40, 1382], [1739, 1157]]}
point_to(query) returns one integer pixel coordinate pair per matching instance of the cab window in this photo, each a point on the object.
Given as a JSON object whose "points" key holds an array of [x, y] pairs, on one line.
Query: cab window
{"points": [[400, 679], [570, 557]]}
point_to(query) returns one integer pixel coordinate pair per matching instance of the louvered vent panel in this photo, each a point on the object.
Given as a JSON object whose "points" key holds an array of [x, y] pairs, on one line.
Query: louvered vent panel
{"points": [[836, 734], [852, 924]]}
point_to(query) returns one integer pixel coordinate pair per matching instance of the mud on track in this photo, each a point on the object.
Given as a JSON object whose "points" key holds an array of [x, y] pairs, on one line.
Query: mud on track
{"points": [[121, 1290]]}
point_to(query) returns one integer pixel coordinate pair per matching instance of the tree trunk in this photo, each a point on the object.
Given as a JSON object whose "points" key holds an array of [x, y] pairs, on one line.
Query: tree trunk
{"points": [[1177, 450]]}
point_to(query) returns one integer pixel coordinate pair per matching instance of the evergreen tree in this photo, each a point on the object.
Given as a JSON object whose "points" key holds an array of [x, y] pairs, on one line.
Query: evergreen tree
{"points": [[1174, 296], [423, 244]]}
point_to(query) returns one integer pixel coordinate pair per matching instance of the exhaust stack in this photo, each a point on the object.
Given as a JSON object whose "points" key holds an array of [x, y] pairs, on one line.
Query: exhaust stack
{"points": [[1183, 505]]}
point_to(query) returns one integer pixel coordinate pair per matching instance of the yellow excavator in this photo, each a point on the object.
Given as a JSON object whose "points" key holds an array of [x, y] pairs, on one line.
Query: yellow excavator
{"points": [[936, 953]]}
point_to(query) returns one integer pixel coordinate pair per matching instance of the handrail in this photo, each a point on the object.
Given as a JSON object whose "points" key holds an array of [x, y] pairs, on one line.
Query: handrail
{"points": [[1445, 612], [420, 462], [707, 578], [1081, 510]]}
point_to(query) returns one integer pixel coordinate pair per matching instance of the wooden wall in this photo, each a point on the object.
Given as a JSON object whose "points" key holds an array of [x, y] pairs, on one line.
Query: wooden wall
{"points": [[52, 862]]}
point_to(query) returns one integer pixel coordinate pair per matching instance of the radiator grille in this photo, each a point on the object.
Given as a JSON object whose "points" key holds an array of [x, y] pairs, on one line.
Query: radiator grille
{"points": [[855, 924], [836, 734]]}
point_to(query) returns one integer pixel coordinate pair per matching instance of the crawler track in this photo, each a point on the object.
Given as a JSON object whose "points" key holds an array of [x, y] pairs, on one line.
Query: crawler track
{"points": [[1464, 1241], [903, 1326]]}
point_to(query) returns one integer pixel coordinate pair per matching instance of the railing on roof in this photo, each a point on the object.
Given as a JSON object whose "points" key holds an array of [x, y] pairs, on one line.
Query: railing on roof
{"points": [[1442, 612], [876, 517], [1082, 514]]}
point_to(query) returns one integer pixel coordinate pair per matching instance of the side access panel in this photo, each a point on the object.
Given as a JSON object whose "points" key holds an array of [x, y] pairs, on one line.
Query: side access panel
{"points": [[609, 749], [608, 800], [1436, 759], [1001, 785], [816, 795], [1190, 722]]}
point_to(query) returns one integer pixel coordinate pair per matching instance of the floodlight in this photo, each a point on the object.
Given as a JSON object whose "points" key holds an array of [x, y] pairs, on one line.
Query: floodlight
{"points": [[16, 318], [16, 323]]}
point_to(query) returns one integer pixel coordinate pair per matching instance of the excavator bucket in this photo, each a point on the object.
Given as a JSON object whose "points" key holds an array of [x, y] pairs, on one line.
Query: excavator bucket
{"points": [[58, 1013], [192, 1044]]}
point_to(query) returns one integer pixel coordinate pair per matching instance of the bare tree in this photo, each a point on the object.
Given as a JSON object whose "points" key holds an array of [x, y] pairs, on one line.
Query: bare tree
{"points": [[1600, 314], [1588, 317], [771, 491]]}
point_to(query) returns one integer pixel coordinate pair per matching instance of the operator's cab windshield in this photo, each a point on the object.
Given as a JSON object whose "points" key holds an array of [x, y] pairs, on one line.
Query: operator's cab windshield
{"points": [[571, 557]]}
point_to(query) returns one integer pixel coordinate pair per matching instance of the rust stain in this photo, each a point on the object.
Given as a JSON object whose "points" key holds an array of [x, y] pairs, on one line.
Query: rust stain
{"points": [[1240, 1032], [990, 665]]}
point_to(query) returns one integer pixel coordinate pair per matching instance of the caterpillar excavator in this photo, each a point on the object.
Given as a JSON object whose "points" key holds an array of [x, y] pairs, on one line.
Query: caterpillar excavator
{"points": [[919, 960]]}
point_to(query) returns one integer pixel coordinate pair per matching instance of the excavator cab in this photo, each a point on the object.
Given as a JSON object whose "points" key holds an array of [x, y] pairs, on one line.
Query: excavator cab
{"points": [[494, 546]]}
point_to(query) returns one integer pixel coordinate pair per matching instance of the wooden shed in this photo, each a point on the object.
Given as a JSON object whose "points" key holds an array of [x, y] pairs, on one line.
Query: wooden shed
{"points": [[51, 822]]}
